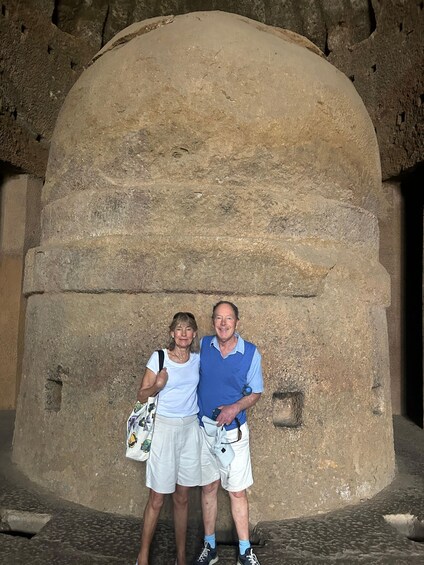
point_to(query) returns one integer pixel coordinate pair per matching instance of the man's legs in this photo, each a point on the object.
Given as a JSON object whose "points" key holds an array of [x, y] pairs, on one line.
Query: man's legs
{"points": [[180, 503], [239, 478], [150, 520], [240, 513], [210, 507], [208, 555]]}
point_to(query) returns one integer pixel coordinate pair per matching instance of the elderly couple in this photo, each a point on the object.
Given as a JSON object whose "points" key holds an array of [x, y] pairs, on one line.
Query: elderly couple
{"points": [[227, 376]]}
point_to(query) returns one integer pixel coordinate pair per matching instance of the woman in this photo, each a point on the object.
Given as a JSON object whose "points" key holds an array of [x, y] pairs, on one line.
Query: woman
{"points": [[174, 462]]}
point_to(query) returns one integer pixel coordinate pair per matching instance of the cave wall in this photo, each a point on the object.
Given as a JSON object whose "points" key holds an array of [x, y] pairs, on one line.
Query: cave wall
{"points": [[46, 44]]}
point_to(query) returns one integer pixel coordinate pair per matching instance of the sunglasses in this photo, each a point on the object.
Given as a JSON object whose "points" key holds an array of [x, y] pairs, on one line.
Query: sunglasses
{"points": [[182, 314], [239, 434]]}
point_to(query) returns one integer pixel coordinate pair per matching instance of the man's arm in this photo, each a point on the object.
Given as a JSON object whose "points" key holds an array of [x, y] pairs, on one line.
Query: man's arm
{"points": [[254, 380], [254, 377]]}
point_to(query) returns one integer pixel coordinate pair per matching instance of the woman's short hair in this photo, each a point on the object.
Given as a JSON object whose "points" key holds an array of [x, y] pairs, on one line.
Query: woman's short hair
{"points": [[190, 320]]}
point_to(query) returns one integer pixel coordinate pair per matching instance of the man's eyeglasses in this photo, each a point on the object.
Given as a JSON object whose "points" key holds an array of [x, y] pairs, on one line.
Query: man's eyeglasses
{"points": [[239, 434]]}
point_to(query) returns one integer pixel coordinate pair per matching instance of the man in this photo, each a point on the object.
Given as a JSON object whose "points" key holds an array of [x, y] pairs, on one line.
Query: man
{"points": [[230, 381]]}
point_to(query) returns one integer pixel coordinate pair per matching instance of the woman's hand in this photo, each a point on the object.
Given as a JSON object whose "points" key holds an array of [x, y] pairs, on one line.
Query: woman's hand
{"points": [[151, 384], [162, 378]]}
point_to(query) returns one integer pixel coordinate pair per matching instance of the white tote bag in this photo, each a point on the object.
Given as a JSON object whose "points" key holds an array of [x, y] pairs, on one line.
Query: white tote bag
{"points": [[141, 424]]}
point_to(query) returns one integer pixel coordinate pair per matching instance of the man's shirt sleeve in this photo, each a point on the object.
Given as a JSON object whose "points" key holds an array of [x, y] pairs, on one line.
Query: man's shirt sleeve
{"points": [[254, 376]]}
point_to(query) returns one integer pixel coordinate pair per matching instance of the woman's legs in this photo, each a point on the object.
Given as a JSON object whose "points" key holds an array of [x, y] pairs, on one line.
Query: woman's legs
{"points": [[150, 520], [180, 503]]}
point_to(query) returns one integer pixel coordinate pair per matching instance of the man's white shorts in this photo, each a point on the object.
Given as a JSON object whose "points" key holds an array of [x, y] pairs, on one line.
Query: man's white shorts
{"points": [[238, 476], [174, 454]]}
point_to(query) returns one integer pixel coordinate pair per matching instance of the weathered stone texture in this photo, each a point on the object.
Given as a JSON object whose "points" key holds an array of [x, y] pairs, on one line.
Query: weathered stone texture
{"points": [[392, 257], [46, 44], [388, 71], [19, 230], [38, 66], [180, 173]]}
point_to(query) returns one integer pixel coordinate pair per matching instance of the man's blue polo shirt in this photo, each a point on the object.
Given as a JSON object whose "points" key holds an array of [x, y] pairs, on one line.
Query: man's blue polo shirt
{"points": [[222, 378]]}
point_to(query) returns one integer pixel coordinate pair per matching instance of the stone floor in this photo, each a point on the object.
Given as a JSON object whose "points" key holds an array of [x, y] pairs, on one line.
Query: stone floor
{"points": [[75, 535]]}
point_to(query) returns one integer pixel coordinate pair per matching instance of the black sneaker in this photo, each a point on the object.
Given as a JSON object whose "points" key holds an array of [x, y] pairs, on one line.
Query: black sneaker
{"points": [[208, 556], [249, 558]]}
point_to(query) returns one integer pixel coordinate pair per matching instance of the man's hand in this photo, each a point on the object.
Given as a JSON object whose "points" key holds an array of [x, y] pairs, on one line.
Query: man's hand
{"points": [[227, 414], [230, 411]]}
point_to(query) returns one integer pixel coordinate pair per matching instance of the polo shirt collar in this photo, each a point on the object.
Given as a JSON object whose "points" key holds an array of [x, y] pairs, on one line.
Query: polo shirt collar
{"points": [[239, 348]]}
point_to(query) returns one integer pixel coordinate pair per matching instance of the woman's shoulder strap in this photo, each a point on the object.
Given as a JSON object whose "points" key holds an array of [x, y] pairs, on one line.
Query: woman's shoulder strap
{"points": [[161, 358]]}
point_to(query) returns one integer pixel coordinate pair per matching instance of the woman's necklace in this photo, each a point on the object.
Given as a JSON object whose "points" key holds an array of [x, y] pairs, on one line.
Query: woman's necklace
{"points": [[179, 358]]}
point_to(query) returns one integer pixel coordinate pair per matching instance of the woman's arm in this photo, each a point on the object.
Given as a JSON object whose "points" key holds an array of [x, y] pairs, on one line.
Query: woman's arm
{"points": [[151, 384]]}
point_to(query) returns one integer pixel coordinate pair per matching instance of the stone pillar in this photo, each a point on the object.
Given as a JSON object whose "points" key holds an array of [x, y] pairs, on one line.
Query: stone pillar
{"points": [[391, 257], [202, 157], [19, 220]]}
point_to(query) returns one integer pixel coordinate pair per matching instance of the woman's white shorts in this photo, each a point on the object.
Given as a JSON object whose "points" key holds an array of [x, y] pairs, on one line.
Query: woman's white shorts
{"points": [[238, 476], [174, 454]]}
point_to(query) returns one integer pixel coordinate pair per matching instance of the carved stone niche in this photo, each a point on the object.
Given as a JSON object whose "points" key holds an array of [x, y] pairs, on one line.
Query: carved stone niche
{"points": [[202, 157], [287, 409]]}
